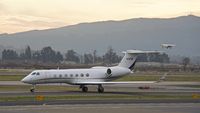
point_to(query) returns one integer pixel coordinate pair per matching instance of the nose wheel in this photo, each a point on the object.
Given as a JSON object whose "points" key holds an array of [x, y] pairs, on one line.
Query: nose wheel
{"points": [[32, 90]]}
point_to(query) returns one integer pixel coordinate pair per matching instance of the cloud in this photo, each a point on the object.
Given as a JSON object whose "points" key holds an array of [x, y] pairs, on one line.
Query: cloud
{"points": [[43, 14], [11, 24], [34, 23], [2, 9]]}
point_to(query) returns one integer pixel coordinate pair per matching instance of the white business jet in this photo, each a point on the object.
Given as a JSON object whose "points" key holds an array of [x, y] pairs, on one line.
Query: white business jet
{"points": [[167, 46], [92, 76]]}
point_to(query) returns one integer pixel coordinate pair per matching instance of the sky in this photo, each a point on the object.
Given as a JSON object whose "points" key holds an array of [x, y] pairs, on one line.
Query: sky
{"points": [[24, 15]]}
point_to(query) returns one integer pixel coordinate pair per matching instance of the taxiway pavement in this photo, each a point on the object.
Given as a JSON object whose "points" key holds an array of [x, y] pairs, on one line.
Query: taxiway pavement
{"points": [[108, 108]]}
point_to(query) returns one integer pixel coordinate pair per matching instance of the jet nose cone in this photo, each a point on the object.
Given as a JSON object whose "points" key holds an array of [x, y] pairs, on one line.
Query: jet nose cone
{"points": [[25, 80]]}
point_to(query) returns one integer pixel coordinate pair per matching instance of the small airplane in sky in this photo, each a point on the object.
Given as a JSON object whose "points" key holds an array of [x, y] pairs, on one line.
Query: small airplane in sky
{"points": [[98, 75], [167, 46]]}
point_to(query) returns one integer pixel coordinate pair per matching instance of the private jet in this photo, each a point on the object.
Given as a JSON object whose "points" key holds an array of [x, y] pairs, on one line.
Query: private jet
{"points": [[98, 75], [167, 46]]}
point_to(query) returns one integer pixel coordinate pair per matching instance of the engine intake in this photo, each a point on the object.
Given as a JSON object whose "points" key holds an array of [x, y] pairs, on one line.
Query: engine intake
{"points": [[109, 72]]}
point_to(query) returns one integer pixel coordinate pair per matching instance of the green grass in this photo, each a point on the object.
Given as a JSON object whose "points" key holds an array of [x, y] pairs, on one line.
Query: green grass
{"points": [[17, 98], [183, 78], [15, 70], [11, 77], [188, 78]]}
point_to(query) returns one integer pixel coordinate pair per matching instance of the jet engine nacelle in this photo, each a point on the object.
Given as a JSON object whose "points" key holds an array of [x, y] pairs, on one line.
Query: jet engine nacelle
{"points": [[109, 72], [115, 72]]}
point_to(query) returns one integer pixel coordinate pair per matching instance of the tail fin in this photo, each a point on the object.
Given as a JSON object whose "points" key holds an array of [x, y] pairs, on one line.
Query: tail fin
{"points": [[130, 58]]}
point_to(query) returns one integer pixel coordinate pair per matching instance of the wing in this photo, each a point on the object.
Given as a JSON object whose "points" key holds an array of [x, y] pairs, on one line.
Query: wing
{"points": [[127, 82]]}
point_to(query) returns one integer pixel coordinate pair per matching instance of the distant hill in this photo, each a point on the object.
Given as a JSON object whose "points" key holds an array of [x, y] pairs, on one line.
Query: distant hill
{"points": [[139, 33]]}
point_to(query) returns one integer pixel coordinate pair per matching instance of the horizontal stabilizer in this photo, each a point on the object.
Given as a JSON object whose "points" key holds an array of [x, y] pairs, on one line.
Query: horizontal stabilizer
{"points": [[142, 52], [130, 58]]}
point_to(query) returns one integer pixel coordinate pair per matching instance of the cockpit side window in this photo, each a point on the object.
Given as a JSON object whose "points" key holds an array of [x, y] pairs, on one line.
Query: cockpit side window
{"points": [[33, 73], [37, 73]]}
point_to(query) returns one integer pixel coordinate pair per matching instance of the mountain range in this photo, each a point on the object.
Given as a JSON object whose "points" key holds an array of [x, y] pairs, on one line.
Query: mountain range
{"points": [[137, 33]]}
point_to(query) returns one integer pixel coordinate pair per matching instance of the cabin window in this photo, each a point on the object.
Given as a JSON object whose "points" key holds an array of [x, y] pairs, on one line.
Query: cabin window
{"points": [[66, 75], [37, 73], [82, 75], [87, 75], [71, 75], [76, 75], [60, 76]]}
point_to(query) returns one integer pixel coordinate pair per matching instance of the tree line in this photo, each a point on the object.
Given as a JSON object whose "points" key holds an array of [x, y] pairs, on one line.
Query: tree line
{"points": [[49, 55]]}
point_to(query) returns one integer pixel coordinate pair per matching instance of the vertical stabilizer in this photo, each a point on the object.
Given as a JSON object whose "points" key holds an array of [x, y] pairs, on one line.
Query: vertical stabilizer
{"points": [[130, 58]]}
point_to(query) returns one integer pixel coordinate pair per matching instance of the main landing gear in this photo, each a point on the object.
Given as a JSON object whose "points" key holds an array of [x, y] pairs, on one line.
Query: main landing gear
{"points": [[32, 90], [100, 88], [85, 88]]}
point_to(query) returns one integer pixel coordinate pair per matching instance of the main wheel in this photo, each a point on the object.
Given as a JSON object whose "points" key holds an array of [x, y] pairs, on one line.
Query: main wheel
{"points": [[100, 89], [85, 89]]}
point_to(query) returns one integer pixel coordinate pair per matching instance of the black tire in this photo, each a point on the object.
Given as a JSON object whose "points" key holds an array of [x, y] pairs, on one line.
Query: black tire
{"points": [[32, 90], [100, 89], [85, 89]]}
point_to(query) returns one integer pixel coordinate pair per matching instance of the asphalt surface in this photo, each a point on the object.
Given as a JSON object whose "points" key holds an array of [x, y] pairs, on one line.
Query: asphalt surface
{"points": [[108, 108], [95, 93], [128, 89], [165, 88]]}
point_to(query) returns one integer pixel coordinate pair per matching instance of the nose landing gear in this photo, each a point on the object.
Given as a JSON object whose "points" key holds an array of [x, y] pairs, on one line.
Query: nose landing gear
{"points": [[32, 90]]}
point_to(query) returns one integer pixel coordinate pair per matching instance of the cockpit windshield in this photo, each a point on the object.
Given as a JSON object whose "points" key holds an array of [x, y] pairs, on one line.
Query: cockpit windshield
{"points": [[35, 73]]}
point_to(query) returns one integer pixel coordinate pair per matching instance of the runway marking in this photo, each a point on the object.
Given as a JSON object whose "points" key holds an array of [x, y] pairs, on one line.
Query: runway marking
{"points": [[196, 96]]}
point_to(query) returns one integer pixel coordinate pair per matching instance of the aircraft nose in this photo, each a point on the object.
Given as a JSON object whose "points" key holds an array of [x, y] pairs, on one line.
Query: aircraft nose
{"points": [[25, 80]]}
